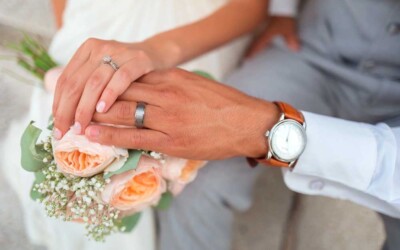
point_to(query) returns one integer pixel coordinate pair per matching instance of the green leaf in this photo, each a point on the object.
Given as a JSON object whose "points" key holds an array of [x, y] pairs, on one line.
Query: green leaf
{"points": [[203, 74], [50, 123], [31, 155], [165, 201], [130, 164], [129, 222], [39, 177], [35, 195]]}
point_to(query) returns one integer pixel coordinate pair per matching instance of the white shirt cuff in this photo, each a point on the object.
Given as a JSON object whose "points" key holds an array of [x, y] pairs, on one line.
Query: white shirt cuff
{"points": [[283, 7], [338, 150]]}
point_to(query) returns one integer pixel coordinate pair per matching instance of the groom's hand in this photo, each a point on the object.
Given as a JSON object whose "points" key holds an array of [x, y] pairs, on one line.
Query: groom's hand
{"points": [[187, 116]]}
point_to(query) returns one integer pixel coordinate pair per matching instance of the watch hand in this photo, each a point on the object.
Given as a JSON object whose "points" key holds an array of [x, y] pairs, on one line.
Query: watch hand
{"points": [[287, 138]]}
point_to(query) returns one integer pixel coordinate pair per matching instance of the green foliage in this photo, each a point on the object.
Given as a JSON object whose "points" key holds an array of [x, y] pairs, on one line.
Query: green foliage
{"points": [[203, 74], [165, 201], [35, 195], [33, 57], [50, 123], [130, 164], [127, 224], [31, 154], [39, 177]]}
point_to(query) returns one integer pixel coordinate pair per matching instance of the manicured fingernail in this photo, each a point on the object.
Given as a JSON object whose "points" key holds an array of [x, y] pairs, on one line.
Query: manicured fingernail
{"points": [[77, 128], [100, 106], [57, 134], [92, 132]]}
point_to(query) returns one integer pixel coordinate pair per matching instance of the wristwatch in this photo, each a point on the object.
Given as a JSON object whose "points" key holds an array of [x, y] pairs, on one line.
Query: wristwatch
{"points": [[287, 139]]}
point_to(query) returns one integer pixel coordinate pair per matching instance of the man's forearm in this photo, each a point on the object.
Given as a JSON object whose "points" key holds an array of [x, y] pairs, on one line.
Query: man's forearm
{"points": [[231, 21]]}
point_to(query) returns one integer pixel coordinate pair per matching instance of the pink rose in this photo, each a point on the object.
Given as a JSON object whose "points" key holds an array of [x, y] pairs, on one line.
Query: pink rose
{"points": [[76, 155], [180, 172], [51, 77], [137, 189]]}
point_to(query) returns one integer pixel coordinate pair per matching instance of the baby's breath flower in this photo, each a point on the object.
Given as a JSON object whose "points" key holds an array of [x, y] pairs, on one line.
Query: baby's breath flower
{"points": [[67, 197]]}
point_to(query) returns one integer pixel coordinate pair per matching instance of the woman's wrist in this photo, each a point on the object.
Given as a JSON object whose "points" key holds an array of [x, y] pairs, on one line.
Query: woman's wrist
{"points": [[165, 52]]}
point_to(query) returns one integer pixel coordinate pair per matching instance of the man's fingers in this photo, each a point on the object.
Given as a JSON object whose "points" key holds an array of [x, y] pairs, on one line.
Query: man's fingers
{"points": [[142, 92], [156, 77], [90, 96], [259, 45], [123, 77], [123, 113], [292, 42], [145, 139]]}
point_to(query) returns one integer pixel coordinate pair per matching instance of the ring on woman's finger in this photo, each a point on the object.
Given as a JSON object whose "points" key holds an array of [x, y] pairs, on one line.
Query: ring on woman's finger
{"points": [[139, 114], [108, 60]]}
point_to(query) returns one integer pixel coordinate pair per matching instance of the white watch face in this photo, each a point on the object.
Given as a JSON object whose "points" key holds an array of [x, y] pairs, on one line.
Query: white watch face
{"points": [[287, 140]]}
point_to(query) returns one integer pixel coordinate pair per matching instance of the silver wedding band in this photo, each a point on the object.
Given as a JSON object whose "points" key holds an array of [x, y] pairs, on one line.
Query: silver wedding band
{"points": [[108, 60], [139, 114]]}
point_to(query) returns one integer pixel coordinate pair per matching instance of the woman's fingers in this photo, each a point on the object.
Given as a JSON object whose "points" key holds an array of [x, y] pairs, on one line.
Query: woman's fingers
{"points": [[145, 139], [123, 113], [86, 85], [80, 57], [71, 94], [123, 77], [91, 94]]}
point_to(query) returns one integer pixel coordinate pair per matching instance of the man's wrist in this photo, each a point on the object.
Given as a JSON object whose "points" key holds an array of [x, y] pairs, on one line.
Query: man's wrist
{"points": [[266, 115]]}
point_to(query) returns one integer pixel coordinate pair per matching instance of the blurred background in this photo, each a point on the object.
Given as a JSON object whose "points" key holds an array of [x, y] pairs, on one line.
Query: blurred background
{"points": [[279, 220]]}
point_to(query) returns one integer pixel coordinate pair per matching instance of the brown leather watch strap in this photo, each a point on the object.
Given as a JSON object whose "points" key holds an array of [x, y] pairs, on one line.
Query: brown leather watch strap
{"points": [[274, 162], [290, 112]]}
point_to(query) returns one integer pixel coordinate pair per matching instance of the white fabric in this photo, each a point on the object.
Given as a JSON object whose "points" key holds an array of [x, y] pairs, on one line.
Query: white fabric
{"points": [[136, 20], [122, 20], [349, 160], [283, 7]]}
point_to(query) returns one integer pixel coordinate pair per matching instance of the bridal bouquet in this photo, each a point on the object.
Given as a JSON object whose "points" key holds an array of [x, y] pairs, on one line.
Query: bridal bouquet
{"points": [[104, 187]]}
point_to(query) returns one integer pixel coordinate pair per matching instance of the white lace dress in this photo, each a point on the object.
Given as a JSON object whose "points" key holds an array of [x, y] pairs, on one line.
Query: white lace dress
{"points": [[122, 20]]}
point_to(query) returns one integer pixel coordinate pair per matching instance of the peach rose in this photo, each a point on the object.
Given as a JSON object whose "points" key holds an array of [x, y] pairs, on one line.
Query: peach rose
{"points": [[76, 155], [180, 172], [51, 77], [137, 189]]}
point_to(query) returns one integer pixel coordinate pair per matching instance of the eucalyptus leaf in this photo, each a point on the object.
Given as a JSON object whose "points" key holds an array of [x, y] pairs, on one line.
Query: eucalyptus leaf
{"points": [[165, 201], [130, 164], [129, 222], [31, 155], [39, 177], [203, 74]]}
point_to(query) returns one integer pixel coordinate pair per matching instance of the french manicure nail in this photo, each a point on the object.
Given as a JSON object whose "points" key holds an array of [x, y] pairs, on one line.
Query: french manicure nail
{"points": [[77, 128], [100, 106], [57, 134]]}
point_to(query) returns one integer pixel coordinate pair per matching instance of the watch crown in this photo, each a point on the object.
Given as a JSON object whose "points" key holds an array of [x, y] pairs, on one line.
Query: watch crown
{"points": [[267, 133]]}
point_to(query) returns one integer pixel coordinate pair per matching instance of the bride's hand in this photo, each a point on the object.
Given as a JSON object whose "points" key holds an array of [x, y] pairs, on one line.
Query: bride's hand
{"points": [[87, 84]]}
